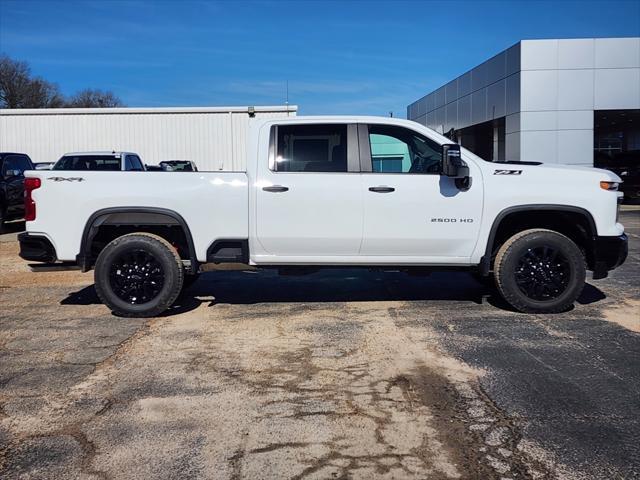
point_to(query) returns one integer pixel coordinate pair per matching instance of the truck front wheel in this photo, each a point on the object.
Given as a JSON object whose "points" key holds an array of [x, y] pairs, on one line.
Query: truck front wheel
{"points": [[540, 271], [138, 275]]}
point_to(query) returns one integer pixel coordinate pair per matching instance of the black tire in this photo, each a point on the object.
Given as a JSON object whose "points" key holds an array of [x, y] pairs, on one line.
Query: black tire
{"points": [[2, 226], [138, 275], [540, 271]]}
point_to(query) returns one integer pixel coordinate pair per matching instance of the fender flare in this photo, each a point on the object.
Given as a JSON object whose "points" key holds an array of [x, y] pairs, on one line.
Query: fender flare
{"points": [[485, 261], [132, 216]]}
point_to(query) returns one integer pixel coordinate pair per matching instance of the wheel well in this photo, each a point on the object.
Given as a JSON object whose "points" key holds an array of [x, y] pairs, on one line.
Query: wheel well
{"points": [[109, 224], [574, 224]]}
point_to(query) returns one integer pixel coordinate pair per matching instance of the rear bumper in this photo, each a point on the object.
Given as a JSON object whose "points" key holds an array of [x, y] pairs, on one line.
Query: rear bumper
{"points": [[36, 248], [609, 253]]}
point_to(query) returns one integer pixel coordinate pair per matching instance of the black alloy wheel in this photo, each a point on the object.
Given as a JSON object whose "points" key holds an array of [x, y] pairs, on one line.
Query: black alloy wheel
{"points": [[543, 273], [540, 271], [136, 276]]}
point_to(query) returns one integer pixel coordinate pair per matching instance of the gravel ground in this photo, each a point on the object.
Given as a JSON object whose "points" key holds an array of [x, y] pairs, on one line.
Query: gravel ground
{"points": [[339, 374]]}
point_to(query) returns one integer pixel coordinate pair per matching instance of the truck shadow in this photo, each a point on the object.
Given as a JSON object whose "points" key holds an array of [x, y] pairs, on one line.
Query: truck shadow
{"points": [[336, 285]]}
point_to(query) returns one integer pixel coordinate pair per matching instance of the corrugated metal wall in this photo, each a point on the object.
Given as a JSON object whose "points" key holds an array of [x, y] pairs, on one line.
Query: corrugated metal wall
{"points": [[215, 138]]}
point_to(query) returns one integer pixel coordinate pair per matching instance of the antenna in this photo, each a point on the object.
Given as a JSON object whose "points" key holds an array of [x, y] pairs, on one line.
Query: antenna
{"points": [[287, 103]]}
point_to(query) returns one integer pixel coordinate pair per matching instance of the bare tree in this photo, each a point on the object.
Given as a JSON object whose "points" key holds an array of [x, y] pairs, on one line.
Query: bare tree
{"points": [[43, 94], [19, 90], [90, 98], [14, 81]]}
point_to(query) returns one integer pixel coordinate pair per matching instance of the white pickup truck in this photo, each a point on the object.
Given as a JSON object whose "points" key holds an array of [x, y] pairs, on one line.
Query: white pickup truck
{"points": [[326, 192]]}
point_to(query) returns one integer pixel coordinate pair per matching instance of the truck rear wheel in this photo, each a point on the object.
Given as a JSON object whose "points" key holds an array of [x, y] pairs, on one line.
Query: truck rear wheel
{"points": [[540, 271], [138, 275]]}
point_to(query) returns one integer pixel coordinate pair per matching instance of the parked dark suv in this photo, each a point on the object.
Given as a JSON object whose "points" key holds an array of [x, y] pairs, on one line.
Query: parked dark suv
{"points": [[12, 168]]}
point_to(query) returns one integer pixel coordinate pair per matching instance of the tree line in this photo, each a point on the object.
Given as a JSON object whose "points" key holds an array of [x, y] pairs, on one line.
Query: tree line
{"points": [[20, 89]]}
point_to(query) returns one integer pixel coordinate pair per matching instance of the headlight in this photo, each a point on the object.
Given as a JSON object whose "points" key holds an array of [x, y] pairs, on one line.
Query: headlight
{"points": [[613, 186]]}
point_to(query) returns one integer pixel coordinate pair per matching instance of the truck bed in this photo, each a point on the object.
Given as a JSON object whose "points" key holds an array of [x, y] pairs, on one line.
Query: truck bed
{"points": [[213, 204]]}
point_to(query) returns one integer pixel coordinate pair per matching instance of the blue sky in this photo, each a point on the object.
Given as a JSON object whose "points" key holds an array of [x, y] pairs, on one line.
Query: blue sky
{"points": [[339, 57]]}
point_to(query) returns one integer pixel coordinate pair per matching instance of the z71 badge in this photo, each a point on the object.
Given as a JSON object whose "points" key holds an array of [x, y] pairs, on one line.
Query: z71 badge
{"points": [[507, 172]]}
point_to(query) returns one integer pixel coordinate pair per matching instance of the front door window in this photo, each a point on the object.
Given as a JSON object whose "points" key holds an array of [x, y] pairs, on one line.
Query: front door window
{"points": [[399, 150]]}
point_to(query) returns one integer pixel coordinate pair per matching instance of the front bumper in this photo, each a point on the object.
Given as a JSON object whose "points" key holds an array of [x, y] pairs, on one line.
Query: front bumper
{"points": [[608, 253], [36, 248]]}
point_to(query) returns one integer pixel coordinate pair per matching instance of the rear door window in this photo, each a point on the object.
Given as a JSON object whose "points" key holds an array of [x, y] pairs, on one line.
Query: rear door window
{"points": [[136, 163], [311, 148], [133, 163]]}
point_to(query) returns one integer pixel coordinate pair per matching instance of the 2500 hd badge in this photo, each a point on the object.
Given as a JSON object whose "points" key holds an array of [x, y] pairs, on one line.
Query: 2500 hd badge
{"points": [[452, 220]]}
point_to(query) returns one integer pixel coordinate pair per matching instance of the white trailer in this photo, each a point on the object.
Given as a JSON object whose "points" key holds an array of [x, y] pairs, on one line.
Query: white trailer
{"points": [[213, 137]]}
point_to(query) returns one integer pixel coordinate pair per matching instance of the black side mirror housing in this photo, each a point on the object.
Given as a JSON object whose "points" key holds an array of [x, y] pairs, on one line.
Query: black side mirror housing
{"points": [[452, 164], [454, 167]]}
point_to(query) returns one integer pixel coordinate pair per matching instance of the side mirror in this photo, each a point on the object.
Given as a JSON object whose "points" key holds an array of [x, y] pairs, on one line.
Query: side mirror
{"points": [[452, 164], [454, 167]]}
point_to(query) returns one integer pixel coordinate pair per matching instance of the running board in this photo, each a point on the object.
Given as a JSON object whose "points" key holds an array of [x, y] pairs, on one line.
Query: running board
{"points": [[53, 267]]}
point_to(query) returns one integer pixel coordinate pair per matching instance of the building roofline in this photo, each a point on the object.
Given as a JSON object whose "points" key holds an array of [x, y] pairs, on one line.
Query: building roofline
{"points": [[519, 42], [147, 110]]}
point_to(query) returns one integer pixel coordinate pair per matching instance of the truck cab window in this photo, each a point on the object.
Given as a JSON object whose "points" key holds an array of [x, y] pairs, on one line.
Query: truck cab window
{"points": [[311, 148], [137, 163], [400, 150], [16, 163]]}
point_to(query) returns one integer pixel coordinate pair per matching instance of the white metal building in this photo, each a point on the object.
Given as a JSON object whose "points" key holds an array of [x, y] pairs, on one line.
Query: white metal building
{"points": [[213, 137], [571, 101]]}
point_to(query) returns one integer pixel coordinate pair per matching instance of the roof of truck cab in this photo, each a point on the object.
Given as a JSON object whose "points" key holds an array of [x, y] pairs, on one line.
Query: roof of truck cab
{"points": [[108, 153], [344, 119]]}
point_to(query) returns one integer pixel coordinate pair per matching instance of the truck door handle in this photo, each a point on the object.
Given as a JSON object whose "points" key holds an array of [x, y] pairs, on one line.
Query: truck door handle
{"points": [[382, 189], [275, 189]]}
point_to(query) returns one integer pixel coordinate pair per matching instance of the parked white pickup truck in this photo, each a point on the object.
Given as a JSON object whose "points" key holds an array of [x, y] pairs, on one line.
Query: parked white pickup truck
{"points": [[325, 192]]}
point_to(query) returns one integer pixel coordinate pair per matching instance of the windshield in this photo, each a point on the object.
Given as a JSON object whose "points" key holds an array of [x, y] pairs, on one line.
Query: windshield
{"points": [[88, 162]]}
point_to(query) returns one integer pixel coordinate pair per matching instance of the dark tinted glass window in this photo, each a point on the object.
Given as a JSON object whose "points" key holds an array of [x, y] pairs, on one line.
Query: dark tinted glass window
{"points": [[127, 163], [400, 150], [88, 162], [311, 148], [178, 165], [136, 163], [16, 162]]}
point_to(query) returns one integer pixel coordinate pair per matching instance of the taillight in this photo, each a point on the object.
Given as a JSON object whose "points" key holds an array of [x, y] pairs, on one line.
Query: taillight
{"points": [[30, 184]]}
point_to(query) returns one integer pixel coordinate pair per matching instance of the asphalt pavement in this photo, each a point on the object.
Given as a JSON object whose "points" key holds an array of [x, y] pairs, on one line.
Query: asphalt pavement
{"points": [[338, 374]]}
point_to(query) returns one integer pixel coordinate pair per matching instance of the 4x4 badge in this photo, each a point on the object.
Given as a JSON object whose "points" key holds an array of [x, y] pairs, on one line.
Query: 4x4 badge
{"points": [[67, 179]]}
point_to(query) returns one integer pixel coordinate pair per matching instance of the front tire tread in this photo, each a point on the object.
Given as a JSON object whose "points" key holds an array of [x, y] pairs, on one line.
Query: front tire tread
{"points": [[502, 279]]}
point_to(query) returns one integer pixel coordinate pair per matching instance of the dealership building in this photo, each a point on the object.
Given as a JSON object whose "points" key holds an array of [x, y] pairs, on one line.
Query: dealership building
{"points": [[570, 101]]}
